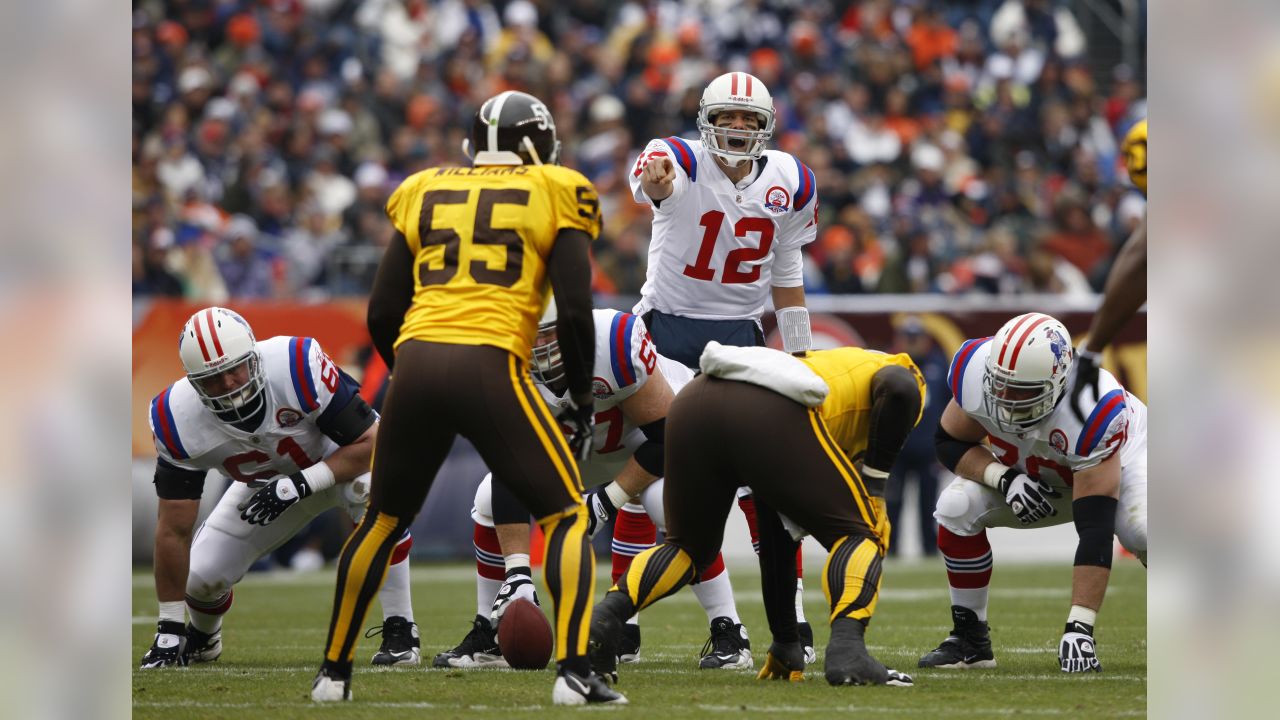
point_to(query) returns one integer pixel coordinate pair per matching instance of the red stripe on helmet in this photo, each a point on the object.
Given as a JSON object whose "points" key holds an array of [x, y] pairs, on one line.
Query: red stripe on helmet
{"points": [[1013, 362], [748, 85], [1014, 331], [213, 332], [200, 337], [733, 83]]}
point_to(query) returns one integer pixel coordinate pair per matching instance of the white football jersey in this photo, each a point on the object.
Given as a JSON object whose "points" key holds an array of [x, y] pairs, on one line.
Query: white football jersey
{"points": [[300, 384], [1059, 445], [625, 358], [713, 246]]}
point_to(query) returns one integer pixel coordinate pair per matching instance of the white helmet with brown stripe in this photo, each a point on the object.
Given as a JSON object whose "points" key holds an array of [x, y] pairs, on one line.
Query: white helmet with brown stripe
{"points": [[221, 358], [1027, 370]]}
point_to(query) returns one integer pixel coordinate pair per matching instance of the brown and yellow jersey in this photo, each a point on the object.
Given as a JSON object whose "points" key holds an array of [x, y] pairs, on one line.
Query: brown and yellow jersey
{"points": [[847, 409], [480, 238]]}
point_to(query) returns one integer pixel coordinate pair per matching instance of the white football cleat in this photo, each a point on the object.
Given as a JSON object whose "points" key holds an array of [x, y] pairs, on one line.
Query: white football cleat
{"points": [[330, 689]]}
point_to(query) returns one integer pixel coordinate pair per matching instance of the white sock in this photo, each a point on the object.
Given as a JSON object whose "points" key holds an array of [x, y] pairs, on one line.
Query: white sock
{"points": [[205, 622], [394, 596], [800, 601], [973, 598], [173, 611], [486, 593], [716, 596]]}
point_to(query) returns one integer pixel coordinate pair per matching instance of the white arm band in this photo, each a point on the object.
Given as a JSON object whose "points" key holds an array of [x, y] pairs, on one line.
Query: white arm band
{"points": [[319, 476], [992, 474], [793, 323]]}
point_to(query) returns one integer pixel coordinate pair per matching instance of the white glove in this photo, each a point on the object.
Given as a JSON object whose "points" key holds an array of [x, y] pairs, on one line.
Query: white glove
{"points": [[1028, 498], [1077, 652], [513, 588]]}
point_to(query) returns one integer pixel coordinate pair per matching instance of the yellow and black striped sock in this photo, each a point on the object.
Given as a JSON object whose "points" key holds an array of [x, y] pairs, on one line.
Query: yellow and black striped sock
{"points": [[570, 572], [655, 574], [362, 567], [851, 578]]}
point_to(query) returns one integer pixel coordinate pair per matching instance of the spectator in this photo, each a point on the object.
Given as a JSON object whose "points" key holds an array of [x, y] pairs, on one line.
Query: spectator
{"points": [[245, 268]]}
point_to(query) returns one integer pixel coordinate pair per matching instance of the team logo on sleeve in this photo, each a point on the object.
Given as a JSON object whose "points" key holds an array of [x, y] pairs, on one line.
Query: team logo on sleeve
{"points": [[288, 417], [777, 199], [1058, 441], [600, 388]]}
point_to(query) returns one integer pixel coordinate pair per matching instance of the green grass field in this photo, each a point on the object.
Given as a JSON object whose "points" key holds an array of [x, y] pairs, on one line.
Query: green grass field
{"points": [[273, 639]]}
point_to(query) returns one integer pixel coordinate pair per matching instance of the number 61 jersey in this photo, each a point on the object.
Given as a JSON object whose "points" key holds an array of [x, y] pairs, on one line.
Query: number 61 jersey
{"points": [[1059, 445], [301, 383], [625, 359]]}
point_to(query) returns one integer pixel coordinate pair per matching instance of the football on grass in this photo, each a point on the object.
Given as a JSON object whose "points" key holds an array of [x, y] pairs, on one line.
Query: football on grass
{"points": [[524, 636]]}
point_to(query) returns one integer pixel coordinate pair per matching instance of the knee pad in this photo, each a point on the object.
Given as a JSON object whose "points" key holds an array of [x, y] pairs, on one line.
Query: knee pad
{"points": [[953, 506], [651, 499], [206, 581], [482, 506]]}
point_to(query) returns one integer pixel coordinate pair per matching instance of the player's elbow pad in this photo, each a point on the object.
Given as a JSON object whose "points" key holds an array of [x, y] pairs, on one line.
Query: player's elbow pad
{"points": [[649, 456], [950, 449], [1095, 519]]}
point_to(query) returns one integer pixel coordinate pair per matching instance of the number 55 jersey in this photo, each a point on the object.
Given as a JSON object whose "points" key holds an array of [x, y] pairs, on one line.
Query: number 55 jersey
{"points": [[625, 360], [301, 384], [718, 247]]}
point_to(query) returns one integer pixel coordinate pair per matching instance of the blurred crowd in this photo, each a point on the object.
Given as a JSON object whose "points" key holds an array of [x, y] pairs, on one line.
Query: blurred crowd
{"points": [[960, 146]]}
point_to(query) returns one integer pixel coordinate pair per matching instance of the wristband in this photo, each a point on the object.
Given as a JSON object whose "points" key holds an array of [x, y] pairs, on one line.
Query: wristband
{"points": [[318, 477]]}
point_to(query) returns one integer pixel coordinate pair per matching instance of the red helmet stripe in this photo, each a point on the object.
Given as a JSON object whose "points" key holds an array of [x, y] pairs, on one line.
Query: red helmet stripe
{"points": [[200, 337], [748, 85], [1042, 319], [733, 83], [213, 332], [1005, 345]]}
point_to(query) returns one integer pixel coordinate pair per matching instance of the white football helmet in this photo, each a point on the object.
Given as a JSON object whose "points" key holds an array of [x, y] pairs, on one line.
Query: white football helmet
{"points": [[547, 367], [216, 341], [735, 91], [1027, 370]]}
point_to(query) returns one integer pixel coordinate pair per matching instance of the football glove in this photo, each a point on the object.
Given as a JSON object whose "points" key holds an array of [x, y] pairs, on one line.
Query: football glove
{"points": [[1028, 498], [273, 499], [1086, 370], [513, 588], [578, 423], [785, 661], [600, 511], [168, 646], [1077, 652]]}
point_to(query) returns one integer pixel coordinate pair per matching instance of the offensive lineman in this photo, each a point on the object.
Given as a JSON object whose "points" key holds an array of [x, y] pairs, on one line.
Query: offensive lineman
{"points": [[454, 311], [278, 410], [729, 219], [633, 388], [1043, 467]]}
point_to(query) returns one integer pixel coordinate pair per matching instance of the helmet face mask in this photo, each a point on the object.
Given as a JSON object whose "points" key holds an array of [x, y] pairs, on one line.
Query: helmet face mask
{"points": [[1026, 371], [729, 92], [547, 366], [513, 128], [221, 358]]}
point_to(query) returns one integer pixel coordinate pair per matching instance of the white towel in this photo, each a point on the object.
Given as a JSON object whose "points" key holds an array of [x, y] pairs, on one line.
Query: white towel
{"points": [[766, 367]]}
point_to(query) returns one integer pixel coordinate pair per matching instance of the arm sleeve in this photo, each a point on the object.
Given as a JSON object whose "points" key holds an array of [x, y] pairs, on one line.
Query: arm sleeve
{"points": [[347, 416], [391, 297], [176, 483], [569, 270], [777, 574]]}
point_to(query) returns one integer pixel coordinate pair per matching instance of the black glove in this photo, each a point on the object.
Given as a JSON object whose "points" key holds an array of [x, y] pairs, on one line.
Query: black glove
{"points": [[273, 499], [1086, 371], [578, 422], [600, 510], [1027, 496]]}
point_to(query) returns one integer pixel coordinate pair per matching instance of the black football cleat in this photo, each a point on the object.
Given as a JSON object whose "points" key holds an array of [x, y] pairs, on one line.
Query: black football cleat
{"points": [[728, 647], [968, 646], [400, 644], [478, 649]]}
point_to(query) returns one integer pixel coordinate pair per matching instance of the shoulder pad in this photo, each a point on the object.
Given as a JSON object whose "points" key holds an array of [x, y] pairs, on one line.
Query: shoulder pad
{"points": [[959, 366], [684, 156]]}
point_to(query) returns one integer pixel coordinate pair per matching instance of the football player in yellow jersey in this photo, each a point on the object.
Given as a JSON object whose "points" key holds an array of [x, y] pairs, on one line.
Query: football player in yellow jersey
{"points": [[1126, 288], [453, 312], [824, 468]]}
